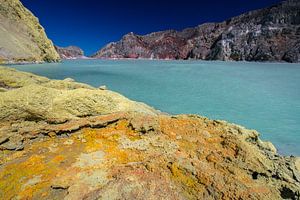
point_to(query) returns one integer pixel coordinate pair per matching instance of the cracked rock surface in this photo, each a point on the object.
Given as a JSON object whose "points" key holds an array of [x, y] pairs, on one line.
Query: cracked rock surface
{"points": [[133, 153]]}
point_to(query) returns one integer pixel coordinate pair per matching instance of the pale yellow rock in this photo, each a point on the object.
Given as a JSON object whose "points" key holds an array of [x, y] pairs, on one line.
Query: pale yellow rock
{"points": [[297, 164], [3, 90], [22, 38], [269, 146], [33, 97], [13, 78], [65, 85], [103, 87], [69, 79]]}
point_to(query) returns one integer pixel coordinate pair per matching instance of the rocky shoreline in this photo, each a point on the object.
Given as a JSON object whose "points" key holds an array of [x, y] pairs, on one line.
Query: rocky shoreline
{"points": [[60, 139]]}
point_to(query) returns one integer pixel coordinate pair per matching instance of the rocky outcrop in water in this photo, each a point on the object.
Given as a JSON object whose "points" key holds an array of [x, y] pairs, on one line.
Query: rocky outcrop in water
{"points": [[22, 38], [70, 52], [270, 34], [60, 139]]}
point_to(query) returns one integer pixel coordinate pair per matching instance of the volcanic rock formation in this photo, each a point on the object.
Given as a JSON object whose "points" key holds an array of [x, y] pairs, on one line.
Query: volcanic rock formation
{"points": [[270, 34], [22, 38], [70, 52], [68, 140]]}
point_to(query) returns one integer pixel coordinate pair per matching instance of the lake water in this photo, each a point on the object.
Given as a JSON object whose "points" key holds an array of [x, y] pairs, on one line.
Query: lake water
{"points": [[261, 96]]}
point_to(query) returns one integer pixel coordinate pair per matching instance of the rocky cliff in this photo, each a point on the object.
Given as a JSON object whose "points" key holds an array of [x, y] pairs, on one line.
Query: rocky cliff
{"points": [[70, 52], [22, 38], [60, 139], [270, 34]]}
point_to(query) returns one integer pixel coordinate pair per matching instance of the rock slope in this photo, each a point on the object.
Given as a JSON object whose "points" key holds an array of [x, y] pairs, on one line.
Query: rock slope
{"points": [[22, 38], [67, 140], [70, 52], [270, 34], [31, 97]]}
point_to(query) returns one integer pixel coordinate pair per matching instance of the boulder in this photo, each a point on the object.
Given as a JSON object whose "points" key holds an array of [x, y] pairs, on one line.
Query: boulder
{"points": [[103, 87]]}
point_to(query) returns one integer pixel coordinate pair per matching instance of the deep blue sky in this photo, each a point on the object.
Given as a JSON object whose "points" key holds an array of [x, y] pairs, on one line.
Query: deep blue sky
{"points": [[90, 24]]}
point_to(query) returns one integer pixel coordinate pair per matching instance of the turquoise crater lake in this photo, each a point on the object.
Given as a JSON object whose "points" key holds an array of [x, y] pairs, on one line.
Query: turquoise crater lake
{"points": [[261, 96]]}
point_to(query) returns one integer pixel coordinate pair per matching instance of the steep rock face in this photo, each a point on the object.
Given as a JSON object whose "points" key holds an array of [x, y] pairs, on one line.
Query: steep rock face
{"points": [[131, 152], [263, 35], [22, 38], [271, 34], [70, 52]]}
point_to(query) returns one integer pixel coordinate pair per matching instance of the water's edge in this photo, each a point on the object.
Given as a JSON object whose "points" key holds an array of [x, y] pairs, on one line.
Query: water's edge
{"points": [[261, 96]]}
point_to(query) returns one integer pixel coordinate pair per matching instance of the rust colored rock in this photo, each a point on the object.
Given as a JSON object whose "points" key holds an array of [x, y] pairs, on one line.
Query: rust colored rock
{"points": [[104, 157], [131, 154], [70, 52], [270, 34]]}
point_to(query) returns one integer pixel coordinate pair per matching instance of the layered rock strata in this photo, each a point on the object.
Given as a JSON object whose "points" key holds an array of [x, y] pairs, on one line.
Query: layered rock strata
{"points": [[270, 34], [70, 52], [68, 140]]}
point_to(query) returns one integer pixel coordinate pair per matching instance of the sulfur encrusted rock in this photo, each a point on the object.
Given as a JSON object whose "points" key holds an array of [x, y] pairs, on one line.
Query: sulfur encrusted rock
{"points": [[66, 140], [32, 97], [106, 157], [22, 38]]}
